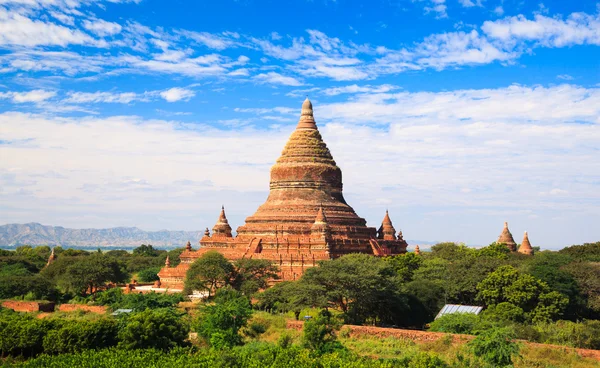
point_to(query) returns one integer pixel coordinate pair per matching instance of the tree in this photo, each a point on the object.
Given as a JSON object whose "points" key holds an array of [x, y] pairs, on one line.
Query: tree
{"points": [[495, 347], [586, 252], [318, 334], [84, 276], [361, 286], [405, 264], [146, 251], [148, 274], [213, 271], [208, 273], [495, 250], [587, 277], [220, 323], [506, 284], [251, 275], [161, 329]]}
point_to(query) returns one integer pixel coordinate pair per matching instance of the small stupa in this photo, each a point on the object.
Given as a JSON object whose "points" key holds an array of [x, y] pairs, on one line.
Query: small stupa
{"points": [[525, 247], [506, 238]]}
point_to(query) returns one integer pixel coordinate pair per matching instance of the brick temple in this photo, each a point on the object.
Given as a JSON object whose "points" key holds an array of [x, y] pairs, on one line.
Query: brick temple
{"points": [[305, 218]]}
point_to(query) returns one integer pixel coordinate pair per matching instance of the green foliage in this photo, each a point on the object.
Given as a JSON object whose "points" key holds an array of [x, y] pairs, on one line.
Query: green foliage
{"points": [[250, 275], [318, 334], [586, 252], [504, 312], [116, 299], [363, 287], [148, 274], [494, 250], [220, 323], [81, 274], [146, 251], [160, 329], [584, 334], [74, 336], [213, 271], [587, 277], [405, 265], [459, 323], [208, 273], [21, 334], [495, 347], [506, 284], [35, 286]]}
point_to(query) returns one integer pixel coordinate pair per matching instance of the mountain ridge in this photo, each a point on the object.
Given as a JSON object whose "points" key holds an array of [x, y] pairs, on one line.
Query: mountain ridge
{"points": [[34, 233]]}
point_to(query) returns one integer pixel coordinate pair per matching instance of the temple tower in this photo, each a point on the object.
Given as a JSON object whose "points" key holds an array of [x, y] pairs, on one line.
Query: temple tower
{"points": [[222, 228], [525, 247], [506, 238], [386, 230], [51, 258]]}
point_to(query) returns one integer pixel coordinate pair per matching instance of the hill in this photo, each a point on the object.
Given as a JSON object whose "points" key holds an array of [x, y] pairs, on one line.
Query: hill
{"points": [[38, 234]]}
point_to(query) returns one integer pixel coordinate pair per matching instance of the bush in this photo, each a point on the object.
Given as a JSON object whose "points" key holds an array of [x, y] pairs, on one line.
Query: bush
{"points": [[319, 333], [495, 347], [21, 334], [115, 298], [75, 336], [159, 329], [579, 335], [148, 274], [459, 323], [221, 322]]}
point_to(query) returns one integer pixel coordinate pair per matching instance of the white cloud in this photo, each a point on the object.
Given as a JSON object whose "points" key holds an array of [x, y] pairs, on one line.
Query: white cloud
{"points": [[276, 78], [213, 41], [103, 97], [101, 27], [177, 94], [384, 88], [18, 30], [576, 29], [474, 154], [499, 10], [35, 96], [564, 77]]}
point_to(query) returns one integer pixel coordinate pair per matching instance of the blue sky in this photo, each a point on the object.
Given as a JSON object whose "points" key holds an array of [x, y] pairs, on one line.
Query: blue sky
{"points": [[456, 115]]}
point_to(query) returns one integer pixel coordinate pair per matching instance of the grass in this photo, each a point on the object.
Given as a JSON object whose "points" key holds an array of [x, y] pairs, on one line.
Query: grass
{"points": [[375, 347]]}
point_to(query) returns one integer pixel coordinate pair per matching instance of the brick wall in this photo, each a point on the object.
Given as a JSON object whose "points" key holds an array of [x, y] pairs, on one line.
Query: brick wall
{"points": [[24, 306]]}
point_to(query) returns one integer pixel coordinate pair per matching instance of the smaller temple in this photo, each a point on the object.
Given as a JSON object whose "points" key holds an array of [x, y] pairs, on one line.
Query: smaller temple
{"points": [[188, 246], [506, 238], [525, 247], [417, 250]]}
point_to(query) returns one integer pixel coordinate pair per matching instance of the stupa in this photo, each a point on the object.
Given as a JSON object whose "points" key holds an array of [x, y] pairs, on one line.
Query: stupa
{"points": [[506, 238], [305, 218], [525, 247]]}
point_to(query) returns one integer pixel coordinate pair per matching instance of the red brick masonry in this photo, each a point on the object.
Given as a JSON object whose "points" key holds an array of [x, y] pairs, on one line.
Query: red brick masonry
{"points": [[22, 306], [424, 336]]}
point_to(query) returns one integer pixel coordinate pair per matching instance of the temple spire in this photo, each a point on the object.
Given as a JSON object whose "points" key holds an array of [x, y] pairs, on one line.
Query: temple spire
{"points": [[167, 261], [417, 250], [188, 246], [222, 227], [507, 239], [386, 230], [525, 247], [307, 120]]}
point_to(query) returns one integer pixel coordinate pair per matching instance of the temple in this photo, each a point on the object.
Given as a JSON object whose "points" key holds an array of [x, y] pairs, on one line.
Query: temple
{"points": [[506, 238], [305, 218]]}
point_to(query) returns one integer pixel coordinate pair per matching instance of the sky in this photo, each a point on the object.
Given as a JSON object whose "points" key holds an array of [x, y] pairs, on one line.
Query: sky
{"points": [[455, 115]]}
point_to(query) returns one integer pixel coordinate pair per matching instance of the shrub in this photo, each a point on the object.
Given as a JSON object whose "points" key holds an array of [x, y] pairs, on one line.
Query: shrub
{"points": [[221, 322], [460, 323], [319, 333], [159, 329], [76, 336], [495, 347], [148, 274]]}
